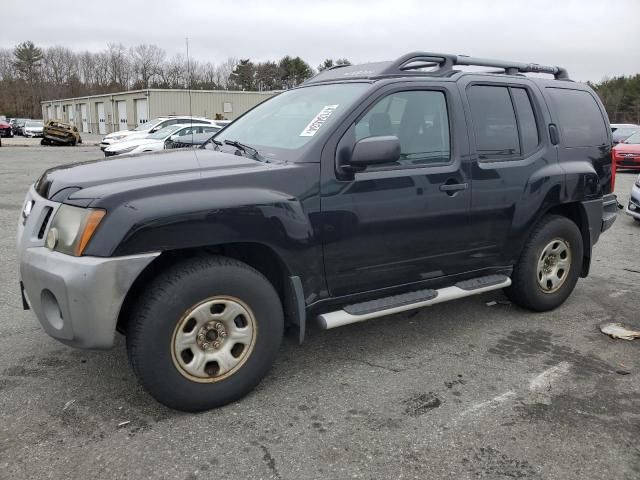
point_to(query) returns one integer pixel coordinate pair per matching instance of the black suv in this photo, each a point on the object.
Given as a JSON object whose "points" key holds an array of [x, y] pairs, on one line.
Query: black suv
{"points": [[368, 190]]}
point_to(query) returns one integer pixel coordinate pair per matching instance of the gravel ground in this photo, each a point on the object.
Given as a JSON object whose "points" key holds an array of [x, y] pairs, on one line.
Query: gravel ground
{"points": [[459, 390]]}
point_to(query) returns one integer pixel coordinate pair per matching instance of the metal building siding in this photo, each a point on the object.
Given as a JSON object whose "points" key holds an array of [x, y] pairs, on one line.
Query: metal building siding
{"points": [[204, 103]]}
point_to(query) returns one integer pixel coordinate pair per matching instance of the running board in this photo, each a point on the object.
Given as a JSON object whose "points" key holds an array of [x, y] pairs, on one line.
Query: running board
{"points": [[360, 312]]}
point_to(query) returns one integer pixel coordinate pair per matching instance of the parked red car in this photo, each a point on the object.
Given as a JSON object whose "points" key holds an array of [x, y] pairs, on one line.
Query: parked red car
{"points": [[5, 129], [627, 154]]}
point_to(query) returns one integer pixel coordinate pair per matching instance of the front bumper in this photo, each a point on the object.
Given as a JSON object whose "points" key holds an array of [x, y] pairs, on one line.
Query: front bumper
{"points": [[77, 300], [107, 142], [633, 208], [624, 162]]}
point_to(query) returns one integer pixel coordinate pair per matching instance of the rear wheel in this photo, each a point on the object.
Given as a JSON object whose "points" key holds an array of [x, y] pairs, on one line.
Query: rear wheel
{"points": [[205, 333], [549, 266]]}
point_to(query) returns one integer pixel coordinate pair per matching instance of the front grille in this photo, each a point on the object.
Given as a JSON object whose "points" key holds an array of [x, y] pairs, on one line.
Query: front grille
{"points": [[45, 222]]}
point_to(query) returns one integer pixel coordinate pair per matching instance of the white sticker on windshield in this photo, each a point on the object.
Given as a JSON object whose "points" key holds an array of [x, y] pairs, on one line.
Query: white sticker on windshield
{"points": [[319, 120]]}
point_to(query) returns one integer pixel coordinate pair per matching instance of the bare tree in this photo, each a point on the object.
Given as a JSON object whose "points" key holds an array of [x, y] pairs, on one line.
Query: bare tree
{"points": [[147, 63], [225, 69], [173, 73], [119, 66]]}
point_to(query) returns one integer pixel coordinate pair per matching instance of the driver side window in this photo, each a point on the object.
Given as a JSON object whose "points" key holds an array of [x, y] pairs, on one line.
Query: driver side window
{"points": [[420, 121]]}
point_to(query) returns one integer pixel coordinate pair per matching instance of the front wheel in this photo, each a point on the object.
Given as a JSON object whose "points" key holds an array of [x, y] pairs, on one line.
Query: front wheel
{"points": [[205, 333], [549, 265]]}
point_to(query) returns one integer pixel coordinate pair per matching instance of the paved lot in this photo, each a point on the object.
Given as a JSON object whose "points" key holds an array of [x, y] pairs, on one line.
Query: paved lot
{"points": [[460, 390]]}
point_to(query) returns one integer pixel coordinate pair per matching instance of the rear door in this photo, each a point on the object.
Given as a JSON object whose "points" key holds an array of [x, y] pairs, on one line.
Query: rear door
{"points": [[511, 159], [404, 222]]}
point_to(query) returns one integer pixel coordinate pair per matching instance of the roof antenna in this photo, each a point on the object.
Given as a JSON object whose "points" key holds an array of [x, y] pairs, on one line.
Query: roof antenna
{"points": [[189, 90]]}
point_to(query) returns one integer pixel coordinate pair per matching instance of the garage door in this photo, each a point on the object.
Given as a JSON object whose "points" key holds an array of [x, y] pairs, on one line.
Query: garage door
{"points": [[102, 126], [58, 117], [49, 117], [123, 123], [83, 114], [141, 111], [70, 113]]}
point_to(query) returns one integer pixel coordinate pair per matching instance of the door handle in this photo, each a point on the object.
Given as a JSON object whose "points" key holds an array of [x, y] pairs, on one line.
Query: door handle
{"points": [[453, 187]]}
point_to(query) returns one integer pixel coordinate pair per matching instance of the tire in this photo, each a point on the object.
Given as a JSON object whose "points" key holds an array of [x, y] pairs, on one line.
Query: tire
{"points": [[546, 288], [161, 318]]}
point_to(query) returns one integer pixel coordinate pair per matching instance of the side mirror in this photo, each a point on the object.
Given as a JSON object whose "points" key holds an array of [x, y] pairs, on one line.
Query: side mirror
{"points": [[375, 150]]}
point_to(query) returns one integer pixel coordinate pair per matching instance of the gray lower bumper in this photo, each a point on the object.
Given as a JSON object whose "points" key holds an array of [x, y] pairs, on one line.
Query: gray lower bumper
{"points": [[78, 299]]}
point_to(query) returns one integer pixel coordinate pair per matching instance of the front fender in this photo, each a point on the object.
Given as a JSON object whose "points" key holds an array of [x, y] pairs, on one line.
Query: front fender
{"points": [[183, 220]]}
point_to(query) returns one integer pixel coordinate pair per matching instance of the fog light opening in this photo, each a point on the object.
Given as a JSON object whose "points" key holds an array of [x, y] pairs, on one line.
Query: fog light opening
{"points": [[51, 309]]}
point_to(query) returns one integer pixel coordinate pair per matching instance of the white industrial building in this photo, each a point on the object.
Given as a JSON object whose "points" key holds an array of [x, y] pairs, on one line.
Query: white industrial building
{"points": [[111, 112]]}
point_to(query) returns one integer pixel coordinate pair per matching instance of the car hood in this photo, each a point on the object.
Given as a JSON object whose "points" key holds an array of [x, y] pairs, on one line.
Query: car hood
{"points": [[122, 133], [627, 148], [98, 178], [33, 129], [128, 143]]}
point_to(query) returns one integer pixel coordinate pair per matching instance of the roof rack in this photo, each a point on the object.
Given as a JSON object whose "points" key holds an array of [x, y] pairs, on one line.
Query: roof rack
{"points": [[445, 62], [438, 65]]}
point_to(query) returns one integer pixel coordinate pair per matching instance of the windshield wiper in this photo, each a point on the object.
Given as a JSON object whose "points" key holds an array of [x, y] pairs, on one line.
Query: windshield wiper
{"points": [[246, 149], [217, 143]]}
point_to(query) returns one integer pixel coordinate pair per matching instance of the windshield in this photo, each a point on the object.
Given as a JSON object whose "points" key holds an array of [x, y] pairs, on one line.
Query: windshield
{"points": [[164, 132], [633, 139], [33, 124], [148, 125], [289, 121]]}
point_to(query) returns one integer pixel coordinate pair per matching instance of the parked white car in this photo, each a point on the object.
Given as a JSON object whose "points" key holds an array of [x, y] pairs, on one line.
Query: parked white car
{"points": [[154, 142], [152, 126], [32, 128], [633, 208]]}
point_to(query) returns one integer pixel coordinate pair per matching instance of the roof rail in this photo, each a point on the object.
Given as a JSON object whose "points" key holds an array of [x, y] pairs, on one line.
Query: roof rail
{"points": [[445, 63], [511, 68]]}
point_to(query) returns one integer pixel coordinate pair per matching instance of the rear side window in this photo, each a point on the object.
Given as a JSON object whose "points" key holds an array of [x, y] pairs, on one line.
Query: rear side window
{"points": [[494, 121], [579, 118], [504, 122], [526, 120]]}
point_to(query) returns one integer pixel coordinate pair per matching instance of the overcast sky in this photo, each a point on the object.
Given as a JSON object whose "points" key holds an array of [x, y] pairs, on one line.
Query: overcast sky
{"points": [[591, 38]]}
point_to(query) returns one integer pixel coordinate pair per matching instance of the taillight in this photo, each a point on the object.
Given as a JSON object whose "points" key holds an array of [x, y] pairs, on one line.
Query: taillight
{"points": [[614, 164]]}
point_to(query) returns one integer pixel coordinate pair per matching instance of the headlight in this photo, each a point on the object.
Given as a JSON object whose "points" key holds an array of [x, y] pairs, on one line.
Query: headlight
{"points": [[638, 181], [116, 137], [72, 228]]}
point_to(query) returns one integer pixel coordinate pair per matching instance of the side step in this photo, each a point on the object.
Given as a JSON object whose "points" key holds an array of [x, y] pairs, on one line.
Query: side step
{"points": [[360, 312]]}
